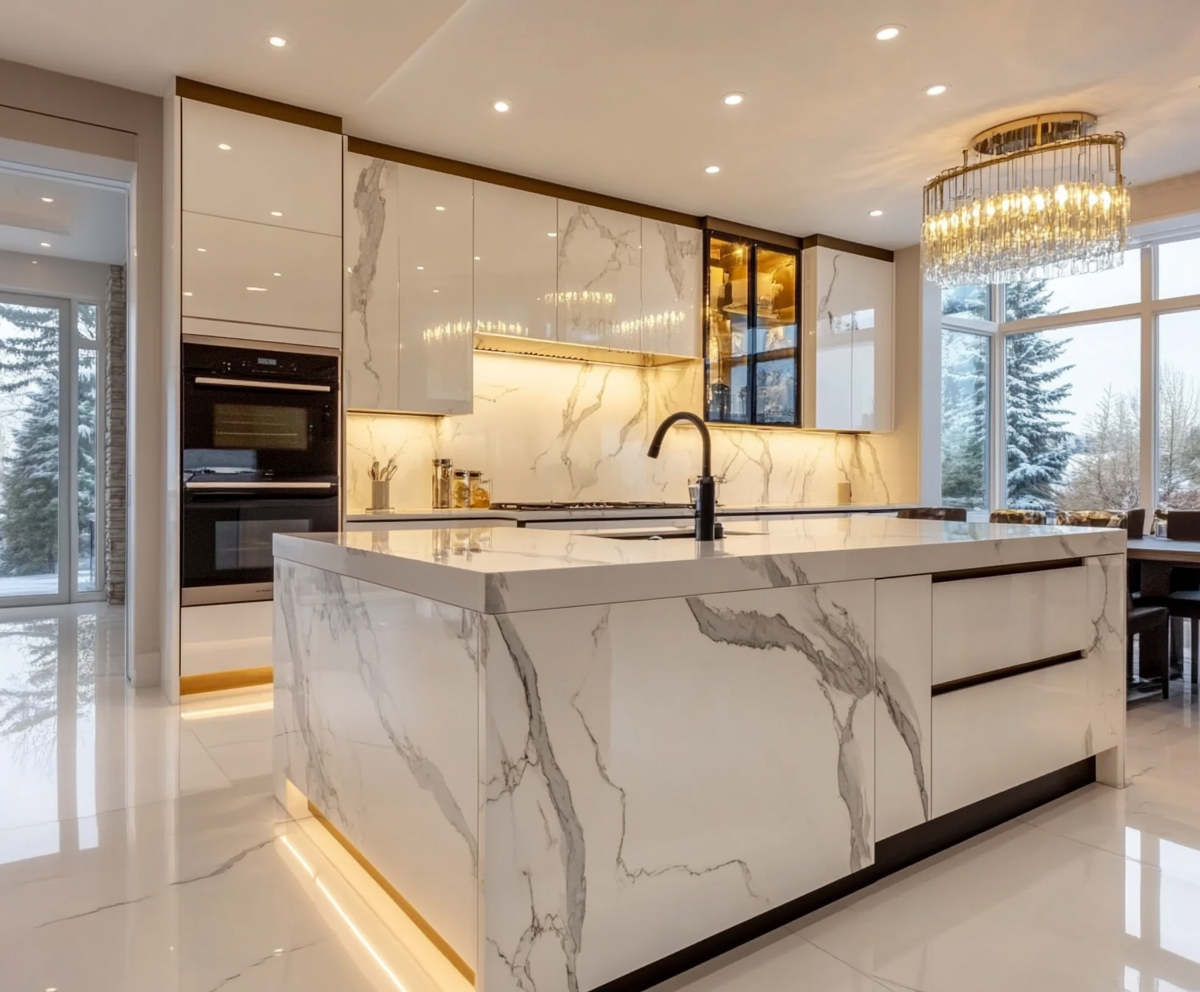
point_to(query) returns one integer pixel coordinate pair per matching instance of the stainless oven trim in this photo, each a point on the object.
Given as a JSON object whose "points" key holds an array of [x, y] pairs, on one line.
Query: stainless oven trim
{"points": [[244, 592], [295, 349], [258, 485], [292, 387]]}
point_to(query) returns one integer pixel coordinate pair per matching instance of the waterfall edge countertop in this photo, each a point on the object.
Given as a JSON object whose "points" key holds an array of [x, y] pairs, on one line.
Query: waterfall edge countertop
{"points": [[497, 570]]}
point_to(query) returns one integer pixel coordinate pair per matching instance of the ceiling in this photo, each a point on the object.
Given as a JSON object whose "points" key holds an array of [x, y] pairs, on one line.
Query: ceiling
{"points": [[624, 97], [84, 222]]}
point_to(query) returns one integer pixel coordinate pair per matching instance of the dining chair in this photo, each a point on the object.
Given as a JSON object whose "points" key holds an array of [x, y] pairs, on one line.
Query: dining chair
{"points": [[1134, 521], [1018, 517], [1149, 624], [1183, 525], [954, 513]]}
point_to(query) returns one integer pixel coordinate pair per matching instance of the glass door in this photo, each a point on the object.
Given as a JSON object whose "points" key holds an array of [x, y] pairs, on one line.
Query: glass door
{"points": [[51, 531]]}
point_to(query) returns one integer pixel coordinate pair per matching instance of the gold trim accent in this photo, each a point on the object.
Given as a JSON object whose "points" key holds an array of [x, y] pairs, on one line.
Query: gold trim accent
{"points": [[240, 678], [983, 140], [393, 893]]}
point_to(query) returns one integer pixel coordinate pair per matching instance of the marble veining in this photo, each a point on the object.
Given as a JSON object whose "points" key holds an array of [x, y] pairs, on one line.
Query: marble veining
{"points": [[370, 207]]}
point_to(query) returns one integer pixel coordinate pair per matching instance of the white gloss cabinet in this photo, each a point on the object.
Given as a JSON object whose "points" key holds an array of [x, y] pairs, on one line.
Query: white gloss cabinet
{"points": [[672, 288], [409, 317], [599, 277], [848, 335], [232, 270], [246, 167], [515, 261]]}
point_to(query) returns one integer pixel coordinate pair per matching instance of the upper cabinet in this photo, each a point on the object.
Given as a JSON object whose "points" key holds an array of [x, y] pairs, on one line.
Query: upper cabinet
{"points": [[246, 167], [848, 340], [672, 288], [751, 358], [599, 277], [516, 257], [409, 303]]}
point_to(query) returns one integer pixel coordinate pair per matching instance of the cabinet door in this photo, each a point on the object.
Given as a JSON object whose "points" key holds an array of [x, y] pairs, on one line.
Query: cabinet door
{"points": [[599, 276], [515, 261], [672, 285], [871, 377], [436, 349], [257, 274], [829, 275], [371, 342], [248, 167]]}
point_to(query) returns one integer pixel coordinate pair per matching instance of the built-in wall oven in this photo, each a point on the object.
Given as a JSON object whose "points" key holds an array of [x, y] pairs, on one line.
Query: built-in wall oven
{"points": [[260, 457]]}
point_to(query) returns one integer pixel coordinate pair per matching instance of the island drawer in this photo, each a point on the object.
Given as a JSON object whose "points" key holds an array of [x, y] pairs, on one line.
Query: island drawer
{"points": [[995, 622], [995, 736]]}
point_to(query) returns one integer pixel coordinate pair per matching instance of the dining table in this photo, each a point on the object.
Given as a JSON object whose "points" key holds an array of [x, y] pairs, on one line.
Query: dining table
{"points": [[1158, 556]]}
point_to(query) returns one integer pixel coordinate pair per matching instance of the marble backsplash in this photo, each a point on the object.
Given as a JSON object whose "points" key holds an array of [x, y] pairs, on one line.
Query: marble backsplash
{"points": [[546, 429]]}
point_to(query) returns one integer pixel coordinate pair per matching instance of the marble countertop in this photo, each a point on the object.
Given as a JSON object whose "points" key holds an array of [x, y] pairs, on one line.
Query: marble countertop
{"points": [[522, 516], [510, 569]]}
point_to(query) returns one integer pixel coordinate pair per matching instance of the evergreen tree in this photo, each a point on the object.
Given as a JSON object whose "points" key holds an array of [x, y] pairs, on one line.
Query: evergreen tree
{"points": [[964, 419], [1039, 446], [29, 360]]}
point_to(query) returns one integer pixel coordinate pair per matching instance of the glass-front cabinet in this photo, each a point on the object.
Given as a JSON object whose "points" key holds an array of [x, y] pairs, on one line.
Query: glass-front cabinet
{"points": [[751, 358]]}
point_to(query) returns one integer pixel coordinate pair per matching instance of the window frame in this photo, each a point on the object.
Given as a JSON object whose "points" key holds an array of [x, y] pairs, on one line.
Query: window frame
{"points": [[1146, 310]]}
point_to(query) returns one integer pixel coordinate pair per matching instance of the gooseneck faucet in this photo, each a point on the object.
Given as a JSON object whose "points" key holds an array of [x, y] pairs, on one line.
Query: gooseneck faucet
{"points": [[706, 488]]}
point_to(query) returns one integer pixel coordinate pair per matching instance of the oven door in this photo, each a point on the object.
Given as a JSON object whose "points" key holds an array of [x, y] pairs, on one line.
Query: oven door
{"points": [[266, 430], [228, 531]]}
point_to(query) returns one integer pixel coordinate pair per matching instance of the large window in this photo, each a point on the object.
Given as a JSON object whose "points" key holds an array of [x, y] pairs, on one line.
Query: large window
{"points": [[966, 362], [1047, 401]]}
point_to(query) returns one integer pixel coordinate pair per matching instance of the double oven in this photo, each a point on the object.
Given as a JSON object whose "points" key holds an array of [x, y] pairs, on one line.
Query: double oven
{"points": [[260, 457]]}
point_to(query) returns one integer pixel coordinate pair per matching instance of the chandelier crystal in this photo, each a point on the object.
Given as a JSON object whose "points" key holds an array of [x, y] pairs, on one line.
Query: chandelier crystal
{"points": [[1035, 198]]}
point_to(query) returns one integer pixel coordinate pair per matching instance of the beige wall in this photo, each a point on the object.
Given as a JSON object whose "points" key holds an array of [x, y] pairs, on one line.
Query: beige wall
{"points": [[140, 116], [53, 276], [1168, 198]]}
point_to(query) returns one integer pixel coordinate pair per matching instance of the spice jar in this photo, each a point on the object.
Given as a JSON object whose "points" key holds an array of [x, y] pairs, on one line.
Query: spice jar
{"points": [[443, 476], [461, 491], [481, 490]]}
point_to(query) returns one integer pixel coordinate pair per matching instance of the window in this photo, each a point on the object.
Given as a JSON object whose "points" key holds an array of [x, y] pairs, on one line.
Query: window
{"points": [[1073, 294], [1178, 269], [1179, 410], [1072, 423], [972, 302], [966, 368]]}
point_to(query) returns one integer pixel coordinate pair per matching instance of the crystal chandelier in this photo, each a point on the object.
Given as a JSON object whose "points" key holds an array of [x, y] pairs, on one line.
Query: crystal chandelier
{"points": [[1035, 198]]}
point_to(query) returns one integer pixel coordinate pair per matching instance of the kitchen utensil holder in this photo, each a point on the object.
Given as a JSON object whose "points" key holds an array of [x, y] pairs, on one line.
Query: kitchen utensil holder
{"points": [[381, 495]]}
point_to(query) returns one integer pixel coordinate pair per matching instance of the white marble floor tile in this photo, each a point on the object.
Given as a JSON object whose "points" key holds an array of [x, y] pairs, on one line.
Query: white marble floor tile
{"points": [[780, 962], [248, 759]]}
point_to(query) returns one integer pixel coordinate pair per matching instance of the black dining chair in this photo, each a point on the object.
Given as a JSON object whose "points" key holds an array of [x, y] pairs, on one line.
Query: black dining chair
{"points": [[954, 513], [1149, 624], [1183, 525]]}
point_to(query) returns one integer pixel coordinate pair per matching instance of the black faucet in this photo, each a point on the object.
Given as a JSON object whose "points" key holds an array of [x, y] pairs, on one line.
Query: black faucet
{"points": [[706, 488]]}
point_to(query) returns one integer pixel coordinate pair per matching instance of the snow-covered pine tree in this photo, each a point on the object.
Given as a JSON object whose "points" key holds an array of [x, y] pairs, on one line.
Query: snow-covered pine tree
{"points": [[29, 360]]}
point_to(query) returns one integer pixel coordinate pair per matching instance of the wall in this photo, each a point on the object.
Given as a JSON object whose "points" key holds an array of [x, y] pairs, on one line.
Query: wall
{"points": [[548, 429], [53, 276], [78, 101]]}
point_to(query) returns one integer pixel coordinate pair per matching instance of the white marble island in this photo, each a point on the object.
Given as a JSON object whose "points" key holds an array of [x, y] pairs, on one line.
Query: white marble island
{"points": [[588, 762]]}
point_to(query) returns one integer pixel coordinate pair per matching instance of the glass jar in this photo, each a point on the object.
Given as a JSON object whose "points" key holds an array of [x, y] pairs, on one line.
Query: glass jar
{"points": [[460, 490], [443, 477], [481, 491]]}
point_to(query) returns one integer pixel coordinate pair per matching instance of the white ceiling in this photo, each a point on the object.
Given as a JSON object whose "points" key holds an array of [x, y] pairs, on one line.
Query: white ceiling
{"points": [[623, 96]]}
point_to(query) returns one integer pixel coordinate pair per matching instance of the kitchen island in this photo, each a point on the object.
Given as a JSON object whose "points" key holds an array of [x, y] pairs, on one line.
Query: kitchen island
{"points": [[589, 760]]}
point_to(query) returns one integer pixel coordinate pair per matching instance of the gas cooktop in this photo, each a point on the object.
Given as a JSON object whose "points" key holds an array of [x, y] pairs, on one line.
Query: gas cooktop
{"points": [[599, 504]]}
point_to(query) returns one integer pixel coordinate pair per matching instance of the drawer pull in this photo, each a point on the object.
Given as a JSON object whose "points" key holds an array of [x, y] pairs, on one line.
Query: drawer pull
{"points": [[983, 678], [1021, 569]]}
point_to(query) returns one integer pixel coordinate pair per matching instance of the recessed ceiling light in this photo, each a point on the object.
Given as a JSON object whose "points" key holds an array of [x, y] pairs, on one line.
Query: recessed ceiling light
{"points": [[552, 234], [501, 107], [45, 244], [477, 258], [876, 213], [276, 213], [420, 268], [888, 32], [224, 147], [439, 208], [276, 41], [733, 99], [35, 263], [187, 294], [712, 170], [256, 289], [201, 249], [437, 290], [47, 199], [277, 274], [936, 90], [279, 950]]}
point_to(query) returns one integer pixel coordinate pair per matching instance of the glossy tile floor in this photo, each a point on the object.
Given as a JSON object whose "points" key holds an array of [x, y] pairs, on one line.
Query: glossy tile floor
{"points": [[140, 849]]}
